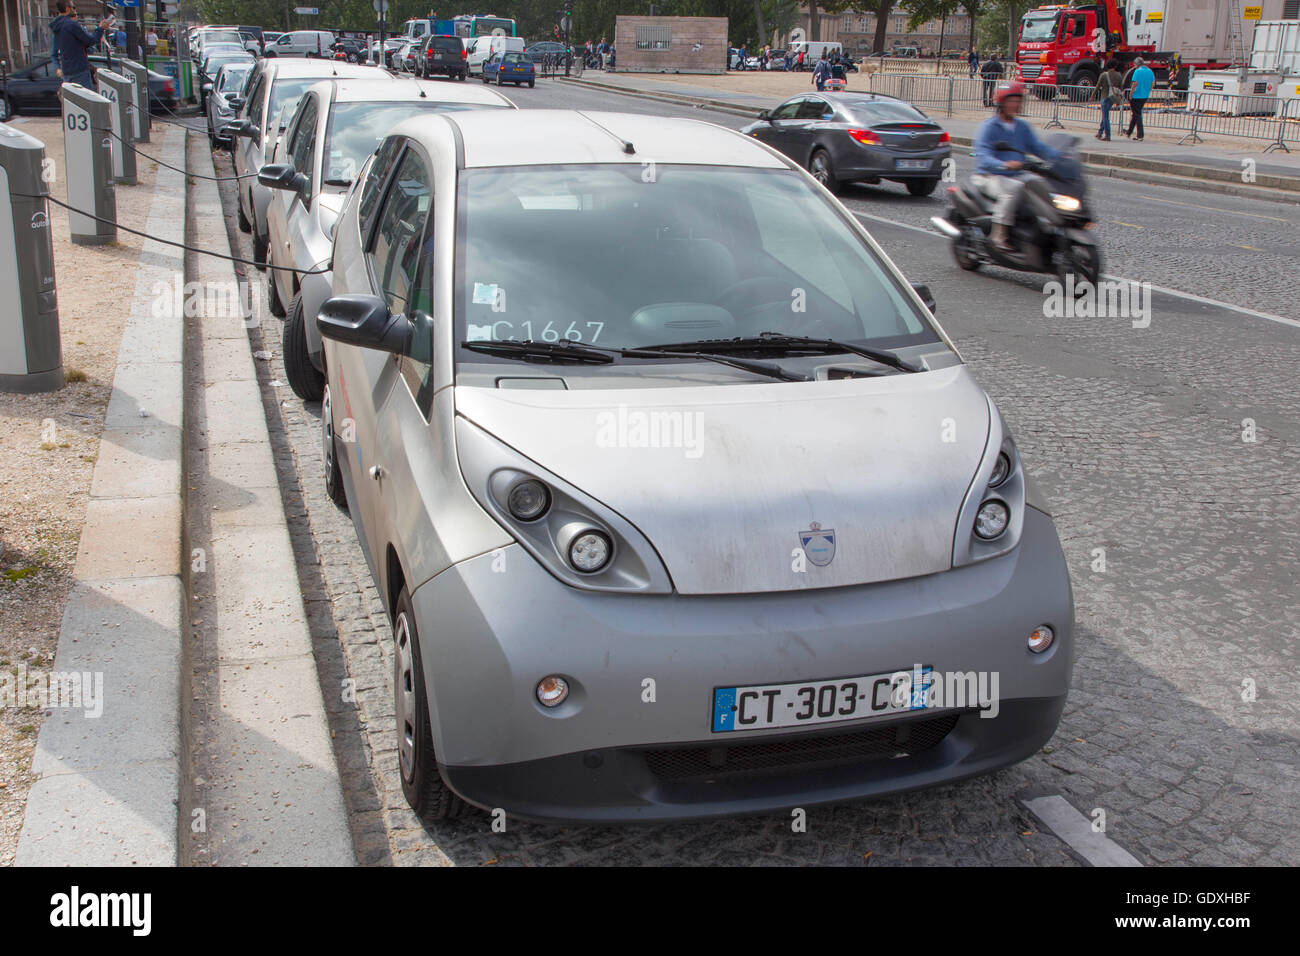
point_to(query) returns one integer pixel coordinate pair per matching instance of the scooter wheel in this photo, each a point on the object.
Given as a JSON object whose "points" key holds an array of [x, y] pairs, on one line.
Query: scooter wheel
{"points": [[964, 253]]}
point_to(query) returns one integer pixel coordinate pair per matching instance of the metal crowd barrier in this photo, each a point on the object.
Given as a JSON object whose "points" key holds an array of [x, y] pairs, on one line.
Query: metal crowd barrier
{"points": [[1254, 116]]}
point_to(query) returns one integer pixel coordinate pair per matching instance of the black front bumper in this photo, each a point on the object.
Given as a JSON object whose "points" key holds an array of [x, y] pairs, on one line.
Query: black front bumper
{"points": [[724, 778]]}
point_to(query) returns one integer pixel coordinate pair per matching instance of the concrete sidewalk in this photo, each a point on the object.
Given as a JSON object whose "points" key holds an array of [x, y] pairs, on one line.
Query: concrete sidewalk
{"points": [[1212, 166]]}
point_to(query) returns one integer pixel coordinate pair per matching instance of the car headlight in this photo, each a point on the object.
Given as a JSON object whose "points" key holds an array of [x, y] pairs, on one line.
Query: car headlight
{"points": [[993, 513], [1065, 203], [580, 540]]}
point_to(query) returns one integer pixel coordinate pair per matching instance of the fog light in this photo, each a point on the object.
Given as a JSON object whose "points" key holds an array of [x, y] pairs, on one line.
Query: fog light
{"points": [[991, 520], [552, 691], [1001, 468], [589, 552], [528, 500], [1040, 638]]}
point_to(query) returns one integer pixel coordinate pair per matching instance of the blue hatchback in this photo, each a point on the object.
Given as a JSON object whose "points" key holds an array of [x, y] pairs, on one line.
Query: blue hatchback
{"points": [[510, 67]]}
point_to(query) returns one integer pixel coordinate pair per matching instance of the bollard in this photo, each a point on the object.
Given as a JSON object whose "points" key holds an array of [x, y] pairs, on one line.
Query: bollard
{"points": [[139, 77], [31, 357], [88, 165], [117, 89]]}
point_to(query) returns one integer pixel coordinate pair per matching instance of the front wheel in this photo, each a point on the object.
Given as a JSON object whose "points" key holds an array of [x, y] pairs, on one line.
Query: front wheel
{"points": [[1085, 262], [499, 82], [329, 454], [304, 378], [921, 187], [261, 246], [823, 170], [532, 84], [422, 785], [964, 254]]}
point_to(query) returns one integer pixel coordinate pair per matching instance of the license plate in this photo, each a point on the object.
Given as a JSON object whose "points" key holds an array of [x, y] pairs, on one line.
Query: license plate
{"points": [[805, 703], [911, 164]]}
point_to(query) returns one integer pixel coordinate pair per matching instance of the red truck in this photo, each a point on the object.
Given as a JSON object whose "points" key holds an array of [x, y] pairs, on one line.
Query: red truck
{"points": [[1069, 44]]}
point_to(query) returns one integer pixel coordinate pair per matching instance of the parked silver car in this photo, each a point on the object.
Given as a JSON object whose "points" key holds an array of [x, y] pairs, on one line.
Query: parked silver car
{"points": [[337, 126], [224, 99], [274, 83], [681, 502]]}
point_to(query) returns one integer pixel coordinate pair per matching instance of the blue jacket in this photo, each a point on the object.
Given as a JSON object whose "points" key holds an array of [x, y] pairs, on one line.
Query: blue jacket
{"points": [[70, 44], [992, 162]]}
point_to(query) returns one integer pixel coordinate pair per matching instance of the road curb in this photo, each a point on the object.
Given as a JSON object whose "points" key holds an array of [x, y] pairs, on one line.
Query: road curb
{"points": [[106, 788], [271, 792], [1130, 168]]}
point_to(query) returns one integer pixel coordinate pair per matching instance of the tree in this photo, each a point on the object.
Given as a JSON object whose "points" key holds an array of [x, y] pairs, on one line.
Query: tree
{"points": [[1000, 26], [923, 11], [882, 9]]}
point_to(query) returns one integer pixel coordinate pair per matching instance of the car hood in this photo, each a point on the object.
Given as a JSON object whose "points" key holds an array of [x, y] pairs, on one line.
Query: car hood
{"points": [[881, 465]]}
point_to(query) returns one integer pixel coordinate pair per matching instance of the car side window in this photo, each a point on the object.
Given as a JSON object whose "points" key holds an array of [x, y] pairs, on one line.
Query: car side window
{"points": [[396, 246], [254, 103], [372, 190], [813, 109], [302, 150], [787, 110]]}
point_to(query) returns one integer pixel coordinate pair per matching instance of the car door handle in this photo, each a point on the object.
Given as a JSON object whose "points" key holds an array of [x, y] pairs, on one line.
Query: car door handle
{"points": [[376, 472]]}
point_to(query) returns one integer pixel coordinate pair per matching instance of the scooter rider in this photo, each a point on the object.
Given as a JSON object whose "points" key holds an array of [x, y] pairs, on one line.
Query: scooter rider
{"points": [[999, 173]]}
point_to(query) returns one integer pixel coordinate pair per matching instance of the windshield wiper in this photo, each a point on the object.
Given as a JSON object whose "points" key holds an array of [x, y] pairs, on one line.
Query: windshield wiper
{"points": [[563, 350], [779, 342], [337, 182], [603, 354]]}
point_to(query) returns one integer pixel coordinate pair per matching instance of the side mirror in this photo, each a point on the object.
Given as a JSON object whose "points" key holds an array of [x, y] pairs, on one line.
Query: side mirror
{"points": [[765, 115], [207, 87], [926, 295], [364, 320], [234, 99], [243, 128], [281, 176]]}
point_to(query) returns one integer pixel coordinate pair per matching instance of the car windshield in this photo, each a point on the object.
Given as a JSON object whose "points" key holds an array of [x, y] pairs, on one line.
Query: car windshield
{"points": [[515, 58], [221, 36], [284, 92], [446, 44], [356, 129], [1038, 29], [233, 77], [607, 255]]}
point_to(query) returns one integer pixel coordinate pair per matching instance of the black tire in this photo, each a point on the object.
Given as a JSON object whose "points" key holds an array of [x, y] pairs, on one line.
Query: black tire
{"points": [[270, 54], [961, 252], [1085, 262], [485, 79], [273, 298], [304, 378], [329, 453], [823, 170], [422, 785], [1082, 85], [260, 248], [921, 187], [212, 141], [244, 224], [499, 83], [532, 84]]}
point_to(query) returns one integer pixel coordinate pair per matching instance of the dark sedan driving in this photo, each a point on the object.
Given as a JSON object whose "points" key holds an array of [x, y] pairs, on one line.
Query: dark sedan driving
{"points": [[35, 89], [857, 137]]}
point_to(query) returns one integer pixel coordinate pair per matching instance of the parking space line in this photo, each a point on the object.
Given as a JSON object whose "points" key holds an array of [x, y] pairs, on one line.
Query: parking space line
{"points": [[1163, 290], [1076, 830]]}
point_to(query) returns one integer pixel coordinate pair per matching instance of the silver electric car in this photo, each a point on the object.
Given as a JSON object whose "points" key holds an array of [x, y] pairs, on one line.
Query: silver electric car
{"points": [[681, 502], [273, 84], [337, 125]]}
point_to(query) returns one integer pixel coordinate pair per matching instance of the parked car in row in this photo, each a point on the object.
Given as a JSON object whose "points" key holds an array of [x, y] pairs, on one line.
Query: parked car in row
{"points": [[212, 62], [336, 127], [513, 301], [857, 137], [307, 43], [273, 86], [224, 100], [481, 49]]}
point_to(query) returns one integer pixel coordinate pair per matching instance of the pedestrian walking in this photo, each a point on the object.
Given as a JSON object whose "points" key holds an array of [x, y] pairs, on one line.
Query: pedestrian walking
{"points": [[799, 62], [821, 73], [71, 42], [991, 72], [1110, 88], [1143, 79], [603, 50], [973, 62], [151, 41]]}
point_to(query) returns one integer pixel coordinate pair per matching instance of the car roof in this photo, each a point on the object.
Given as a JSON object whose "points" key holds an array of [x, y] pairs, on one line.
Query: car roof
{"points": [[396, 89], [552, 137], [322, 69]]}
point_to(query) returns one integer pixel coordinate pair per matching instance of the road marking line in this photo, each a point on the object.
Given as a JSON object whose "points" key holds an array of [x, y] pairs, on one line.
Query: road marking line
{"points": [[1191, 297], [1076, 831], [1251, 248], [1231, 212], [1131, 225]]}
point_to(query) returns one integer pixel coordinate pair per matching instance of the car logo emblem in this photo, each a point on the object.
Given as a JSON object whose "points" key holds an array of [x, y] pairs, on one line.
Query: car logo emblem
{"points": [[818, 545], [913, 135]]}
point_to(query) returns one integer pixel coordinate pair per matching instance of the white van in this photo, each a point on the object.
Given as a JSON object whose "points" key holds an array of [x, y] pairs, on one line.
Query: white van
{"points": [[814, 50], [311, 43], [482, 48]]}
